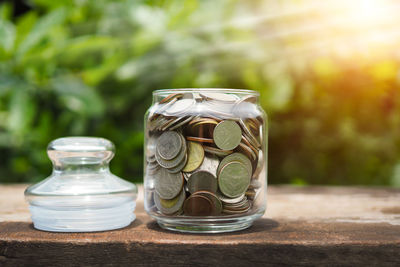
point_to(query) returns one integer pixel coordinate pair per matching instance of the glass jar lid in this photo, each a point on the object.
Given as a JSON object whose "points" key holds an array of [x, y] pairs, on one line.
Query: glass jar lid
{"points": [[81, 194]]}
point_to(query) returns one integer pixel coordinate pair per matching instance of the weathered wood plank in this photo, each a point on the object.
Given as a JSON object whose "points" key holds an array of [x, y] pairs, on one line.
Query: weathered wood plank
{"points": [[303, 226]]}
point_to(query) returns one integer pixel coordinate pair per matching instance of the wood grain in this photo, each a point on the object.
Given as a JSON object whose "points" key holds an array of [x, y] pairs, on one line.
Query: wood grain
{"points": [[303, 226]]}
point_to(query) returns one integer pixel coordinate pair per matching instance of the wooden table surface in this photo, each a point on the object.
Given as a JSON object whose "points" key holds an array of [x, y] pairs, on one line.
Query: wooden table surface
{"points": [[350, 226]]}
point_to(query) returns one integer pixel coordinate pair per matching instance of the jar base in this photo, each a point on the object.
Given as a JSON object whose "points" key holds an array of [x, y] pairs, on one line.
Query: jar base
{"points": [[207, 226]]}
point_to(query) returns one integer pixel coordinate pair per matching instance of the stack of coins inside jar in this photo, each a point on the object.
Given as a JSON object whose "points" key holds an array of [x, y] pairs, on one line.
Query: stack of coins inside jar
{"points": [[204, 154]]}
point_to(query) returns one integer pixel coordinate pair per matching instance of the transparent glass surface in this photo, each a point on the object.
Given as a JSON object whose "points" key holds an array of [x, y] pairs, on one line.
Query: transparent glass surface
{"points": [[81, 194], [205, 160]]}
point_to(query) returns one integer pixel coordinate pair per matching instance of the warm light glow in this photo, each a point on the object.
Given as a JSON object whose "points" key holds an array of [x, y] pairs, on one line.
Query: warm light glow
{"points": [[368, 11]]}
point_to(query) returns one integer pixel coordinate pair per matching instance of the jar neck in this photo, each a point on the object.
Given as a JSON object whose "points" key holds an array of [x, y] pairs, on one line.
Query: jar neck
{"points": [[161, 94], [80, 166]]}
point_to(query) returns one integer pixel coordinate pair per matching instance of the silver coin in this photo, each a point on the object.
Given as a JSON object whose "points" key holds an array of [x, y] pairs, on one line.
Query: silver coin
{"points": [[247, 132], [260, 165], [183, 122], [202, 181], [254, 184], [180, 106], [180, 166], [172, 206], [217, 109], [169, 144], [163, 107], [168, 124], [252, 194], [172, 123], [237, 205], [228, 200], [168, 185], [246, 110], [151, 159], [210, 164], [157, 123], [151, 125], [150, 147], [221, 97], [168, 164]]}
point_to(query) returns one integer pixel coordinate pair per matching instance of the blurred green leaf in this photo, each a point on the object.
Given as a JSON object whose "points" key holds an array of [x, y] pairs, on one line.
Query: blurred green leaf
{"points": [[88, 68], [77, 96], [22, 111], [6, 10], [7, 35], [41, 28]]}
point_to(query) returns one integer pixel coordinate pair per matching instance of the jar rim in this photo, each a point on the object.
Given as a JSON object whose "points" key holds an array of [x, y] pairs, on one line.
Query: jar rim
{"points": [[214, 90]]}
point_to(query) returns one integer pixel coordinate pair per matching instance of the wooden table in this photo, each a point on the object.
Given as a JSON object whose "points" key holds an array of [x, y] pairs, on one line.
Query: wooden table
{"points": [[315, 225]]}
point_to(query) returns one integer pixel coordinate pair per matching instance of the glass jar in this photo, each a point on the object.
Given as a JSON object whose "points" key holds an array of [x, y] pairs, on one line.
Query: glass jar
{"points": [[81, 194], [205, 160]]}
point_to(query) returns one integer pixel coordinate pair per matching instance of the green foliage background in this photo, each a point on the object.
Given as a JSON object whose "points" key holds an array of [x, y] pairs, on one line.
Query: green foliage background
{"points": [[89, 67]]}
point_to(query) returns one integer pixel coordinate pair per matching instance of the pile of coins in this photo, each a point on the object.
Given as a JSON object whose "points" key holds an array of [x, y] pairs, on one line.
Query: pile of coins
{"points": [[204, 154]]}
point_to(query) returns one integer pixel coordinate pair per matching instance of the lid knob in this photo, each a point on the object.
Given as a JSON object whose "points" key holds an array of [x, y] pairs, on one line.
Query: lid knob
{"points": [[80, 151]]}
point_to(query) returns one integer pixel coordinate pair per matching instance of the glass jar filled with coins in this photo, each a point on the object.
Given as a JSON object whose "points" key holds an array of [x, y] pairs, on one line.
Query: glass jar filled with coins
{"points": [[205, 159]]}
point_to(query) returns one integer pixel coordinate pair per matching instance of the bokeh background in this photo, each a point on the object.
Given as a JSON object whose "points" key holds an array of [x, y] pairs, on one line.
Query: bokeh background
{"points": [[327, 71]]}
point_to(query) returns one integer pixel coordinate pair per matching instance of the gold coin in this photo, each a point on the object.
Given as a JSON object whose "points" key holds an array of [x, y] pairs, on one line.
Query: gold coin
{"points": [[195, 156]]}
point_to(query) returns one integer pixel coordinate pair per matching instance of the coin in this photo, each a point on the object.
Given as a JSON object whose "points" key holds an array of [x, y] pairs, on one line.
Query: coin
{"points": [[210, 164], [168, 124], [181, 123], [255, 184], [150, 147], [236, 157], [151, 159], [250, 98], [246, 141], [229, 200], [219, 97], [170, 97], [152, 168], [169, 145], [260, 165], [168, 185], [168, 164], [186, 176], [180, 106], [195, 156], [218, 110], [170, 206], [248, 133], [180, 166], [216, 151], [202, 181], [247, 151], [253, 125], [217, 205], [252, 194], [234, 179], [201, 120], [165, 106], [246, 110], [243, 206], [227, 135], [237, 211], [200, 139], [197, 205], [206, 121]]}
